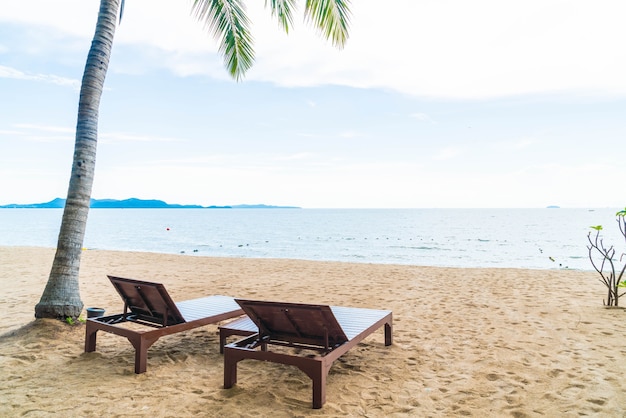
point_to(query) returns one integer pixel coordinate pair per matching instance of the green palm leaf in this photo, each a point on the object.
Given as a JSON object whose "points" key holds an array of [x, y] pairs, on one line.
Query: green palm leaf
{"points": [[228, 22], [282, 10], [331, 17]]}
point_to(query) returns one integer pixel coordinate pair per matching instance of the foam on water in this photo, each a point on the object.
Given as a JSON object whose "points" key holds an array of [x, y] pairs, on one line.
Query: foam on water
{"points": [[526, 238]]}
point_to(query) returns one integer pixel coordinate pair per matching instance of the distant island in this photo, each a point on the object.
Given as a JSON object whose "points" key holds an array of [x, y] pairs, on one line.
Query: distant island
{"points": [[134, 203]]}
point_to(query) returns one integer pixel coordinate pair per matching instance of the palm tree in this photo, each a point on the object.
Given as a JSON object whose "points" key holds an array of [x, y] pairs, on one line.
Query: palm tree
{"points": [[227, 21]]}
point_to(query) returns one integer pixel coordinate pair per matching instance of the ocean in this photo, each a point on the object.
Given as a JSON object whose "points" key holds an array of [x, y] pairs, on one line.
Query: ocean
{"points": [[520, 238]]}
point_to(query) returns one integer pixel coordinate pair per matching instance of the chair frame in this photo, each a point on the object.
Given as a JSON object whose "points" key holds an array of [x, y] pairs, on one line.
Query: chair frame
{"points": [[149, 304], [329, 344]]}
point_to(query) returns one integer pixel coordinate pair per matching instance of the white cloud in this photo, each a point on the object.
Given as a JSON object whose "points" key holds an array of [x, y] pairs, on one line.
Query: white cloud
{"points": [[516, 144], [448, 153], [110, 137], [350, 134], [10, 132], [75, 17], [523, 144], [422, 117], [39, 133], [46, 128], [477, 49], [8, 72], [296, 157], [448, 48]]}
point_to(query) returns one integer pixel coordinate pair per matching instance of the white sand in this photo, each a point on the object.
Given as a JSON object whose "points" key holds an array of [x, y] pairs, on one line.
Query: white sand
{"points": [[467, 342]]}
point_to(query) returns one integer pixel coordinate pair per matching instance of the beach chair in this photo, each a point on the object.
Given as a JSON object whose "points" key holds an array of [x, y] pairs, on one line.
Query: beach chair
{"points": [[150, 313], [287, 333]]}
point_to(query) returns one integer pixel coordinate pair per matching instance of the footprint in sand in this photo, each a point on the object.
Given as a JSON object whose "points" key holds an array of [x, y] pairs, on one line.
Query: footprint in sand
{"points": [[493, 377]]}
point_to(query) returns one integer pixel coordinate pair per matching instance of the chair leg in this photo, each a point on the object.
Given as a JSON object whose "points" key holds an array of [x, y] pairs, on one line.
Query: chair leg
{"points": [[319, 385], [388, 334], [319, 390], [317, 371], [141, 344], [230, 369], [222, 341], [90, 338]]}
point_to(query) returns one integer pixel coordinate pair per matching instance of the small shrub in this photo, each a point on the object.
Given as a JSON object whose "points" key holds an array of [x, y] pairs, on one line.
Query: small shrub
{"points": [[604, 262]]}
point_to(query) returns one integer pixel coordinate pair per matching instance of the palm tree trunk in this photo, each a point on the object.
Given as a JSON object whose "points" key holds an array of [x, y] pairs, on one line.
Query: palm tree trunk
{"points": [[61, 296]]}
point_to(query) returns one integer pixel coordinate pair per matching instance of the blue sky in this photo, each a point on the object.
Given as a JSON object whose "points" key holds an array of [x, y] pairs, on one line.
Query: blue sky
{"points": [[431, 104]]}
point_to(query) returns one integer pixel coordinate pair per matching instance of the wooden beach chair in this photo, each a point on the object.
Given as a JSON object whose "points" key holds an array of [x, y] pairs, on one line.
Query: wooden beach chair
{"points": [[150, 313], [328, 331]]}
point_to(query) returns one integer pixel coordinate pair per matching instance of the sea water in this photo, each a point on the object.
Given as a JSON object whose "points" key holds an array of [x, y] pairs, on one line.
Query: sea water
{"points": [[523, 238]]}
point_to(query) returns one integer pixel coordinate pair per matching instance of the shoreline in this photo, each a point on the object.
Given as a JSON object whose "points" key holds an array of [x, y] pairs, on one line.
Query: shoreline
{"points": [[313, 260], [467, 341]]}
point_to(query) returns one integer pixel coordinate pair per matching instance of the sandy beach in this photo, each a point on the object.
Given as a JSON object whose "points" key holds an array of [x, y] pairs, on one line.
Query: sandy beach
{"points": [[467, 342]]}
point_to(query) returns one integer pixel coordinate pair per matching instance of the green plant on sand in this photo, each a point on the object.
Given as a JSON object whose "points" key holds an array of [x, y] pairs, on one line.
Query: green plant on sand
{"points": [[604, 262], [71, 321]]}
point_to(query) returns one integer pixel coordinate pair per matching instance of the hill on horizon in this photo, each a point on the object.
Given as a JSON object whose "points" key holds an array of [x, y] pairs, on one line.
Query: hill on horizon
{"points": [[134, 203]]}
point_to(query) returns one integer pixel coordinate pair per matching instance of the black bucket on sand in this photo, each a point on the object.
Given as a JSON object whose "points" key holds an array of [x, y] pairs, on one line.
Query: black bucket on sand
{"points": [[95, 312]]}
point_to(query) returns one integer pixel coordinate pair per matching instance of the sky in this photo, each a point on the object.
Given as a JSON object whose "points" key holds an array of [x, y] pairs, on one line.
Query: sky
{"points": [[431, 104]]}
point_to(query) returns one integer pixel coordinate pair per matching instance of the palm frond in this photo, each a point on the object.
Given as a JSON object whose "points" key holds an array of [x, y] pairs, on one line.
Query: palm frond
{"points": [[282, 10], [331, 17], [227, 21], [121, 11]]}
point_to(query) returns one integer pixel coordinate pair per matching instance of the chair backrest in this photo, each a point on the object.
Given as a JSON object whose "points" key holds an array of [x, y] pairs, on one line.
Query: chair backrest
{"points": [[314, 325], [148, 301]]}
